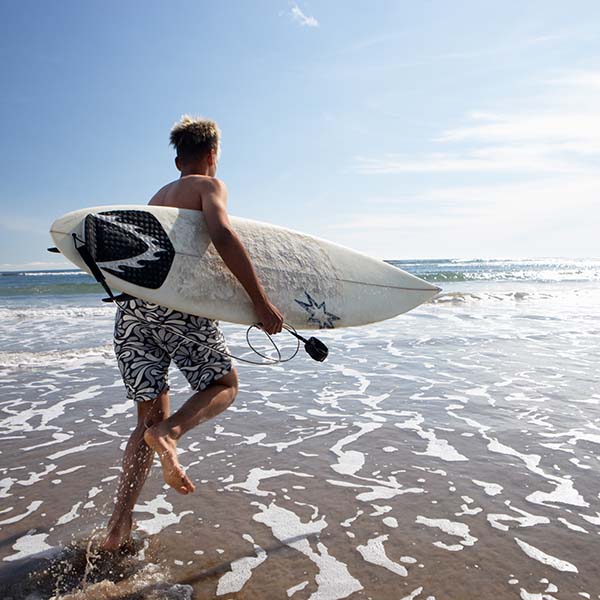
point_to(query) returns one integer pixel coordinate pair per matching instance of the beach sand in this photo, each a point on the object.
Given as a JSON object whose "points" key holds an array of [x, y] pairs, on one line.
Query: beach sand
{"points": [[450, 453]]}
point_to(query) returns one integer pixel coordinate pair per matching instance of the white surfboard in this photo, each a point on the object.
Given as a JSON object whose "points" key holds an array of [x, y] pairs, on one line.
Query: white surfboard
{"points": [[164, 255]]}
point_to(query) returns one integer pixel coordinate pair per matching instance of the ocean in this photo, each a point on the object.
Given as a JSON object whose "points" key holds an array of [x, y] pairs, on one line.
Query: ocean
{"points": [[450, 453]]}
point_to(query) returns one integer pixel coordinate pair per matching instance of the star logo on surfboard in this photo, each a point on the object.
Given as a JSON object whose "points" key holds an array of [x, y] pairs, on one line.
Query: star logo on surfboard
{"points": [[317, 313]]}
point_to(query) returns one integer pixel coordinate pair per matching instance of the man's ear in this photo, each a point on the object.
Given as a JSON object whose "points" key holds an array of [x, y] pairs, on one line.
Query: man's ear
{"points": [[211, 158], [178, 163]]}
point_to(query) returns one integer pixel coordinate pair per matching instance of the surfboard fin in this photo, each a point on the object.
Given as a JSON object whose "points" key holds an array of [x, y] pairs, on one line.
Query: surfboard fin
{"points": [[53, 249]]}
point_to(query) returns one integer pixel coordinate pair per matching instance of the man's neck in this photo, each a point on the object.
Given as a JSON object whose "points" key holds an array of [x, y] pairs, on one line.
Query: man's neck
{"points": [[194, 171]]}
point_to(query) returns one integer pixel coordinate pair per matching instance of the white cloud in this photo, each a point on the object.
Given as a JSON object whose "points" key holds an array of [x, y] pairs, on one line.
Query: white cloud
{"points": [[511, 46], [549, 206], [524, 158], [548, 127], [550, 217], [562, 136], [519, 204], [304, 20], [551, 142], [586, 79]]}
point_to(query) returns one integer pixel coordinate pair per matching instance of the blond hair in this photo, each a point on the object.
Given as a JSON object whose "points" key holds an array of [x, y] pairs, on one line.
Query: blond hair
{"points": [[193, 137]]}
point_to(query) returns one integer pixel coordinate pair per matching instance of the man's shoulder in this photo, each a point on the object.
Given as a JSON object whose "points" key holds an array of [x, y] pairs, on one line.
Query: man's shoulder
{"points": [[161, 194], [190, 192], [211, 183]]}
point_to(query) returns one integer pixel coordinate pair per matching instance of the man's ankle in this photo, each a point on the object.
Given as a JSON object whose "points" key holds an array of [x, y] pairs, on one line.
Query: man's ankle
{"points": [[175, 432]]}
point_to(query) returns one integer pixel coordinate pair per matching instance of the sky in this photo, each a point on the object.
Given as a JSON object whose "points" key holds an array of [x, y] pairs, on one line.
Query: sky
{"points": [[401, 129]]}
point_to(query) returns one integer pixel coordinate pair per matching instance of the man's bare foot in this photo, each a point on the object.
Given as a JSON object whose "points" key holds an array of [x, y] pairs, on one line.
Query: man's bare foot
{"points": [[118, 535], [157, 437]]}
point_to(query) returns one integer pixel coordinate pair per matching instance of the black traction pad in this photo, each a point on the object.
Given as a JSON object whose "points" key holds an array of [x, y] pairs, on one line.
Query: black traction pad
{"points": [[127, 235]]}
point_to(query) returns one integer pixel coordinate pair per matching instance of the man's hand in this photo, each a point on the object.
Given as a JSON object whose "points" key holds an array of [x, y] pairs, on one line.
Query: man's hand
{"points": [[270, 319]]}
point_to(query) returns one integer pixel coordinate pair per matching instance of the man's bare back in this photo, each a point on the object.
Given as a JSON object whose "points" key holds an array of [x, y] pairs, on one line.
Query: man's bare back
{"points": [[185, 192]]}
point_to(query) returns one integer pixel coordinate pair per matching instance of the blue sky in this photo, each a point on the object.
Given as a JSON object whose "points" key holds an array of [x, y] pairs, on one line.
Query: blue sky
{"points": [[401, 129]]}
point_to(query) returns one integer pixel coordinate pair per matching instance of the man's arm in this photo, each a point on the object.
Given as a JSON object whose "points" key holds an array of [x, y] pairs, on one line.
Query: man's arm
{"points": [[234, 254]]}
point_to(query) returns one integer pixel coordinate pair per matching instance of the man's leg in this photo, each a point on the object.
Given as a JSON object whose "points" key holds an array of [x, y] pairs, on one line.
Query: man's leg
{"points": [[137, 461], [201, 407]]}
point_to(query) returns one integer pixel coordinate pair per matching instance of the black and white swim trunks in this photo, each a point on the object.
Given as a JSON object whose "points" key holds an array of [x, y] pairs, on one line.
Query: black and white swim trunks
{"points": [[146, 340]]}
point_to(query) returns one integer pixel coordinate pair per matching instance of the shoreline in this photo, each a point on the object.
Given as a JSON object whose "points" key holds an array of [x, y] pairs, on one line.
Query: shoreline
{"points": [[450, 450]]}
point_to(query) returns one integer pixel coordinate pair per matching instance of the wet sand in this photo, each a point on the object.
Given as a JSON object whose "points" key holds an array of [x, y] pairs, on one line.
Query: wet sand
{"points": [[451, 453]]}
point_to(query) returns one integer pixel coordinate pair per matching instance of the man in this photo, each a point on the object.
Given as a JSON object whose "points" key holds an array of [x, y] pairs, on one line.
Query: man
{"points": [[145, 349]]}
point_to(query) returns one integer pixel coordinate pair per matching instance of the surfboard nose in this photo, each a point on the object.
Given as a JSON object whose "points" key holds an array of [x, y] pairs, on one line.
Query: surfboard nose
{"points": [[404, 279]]}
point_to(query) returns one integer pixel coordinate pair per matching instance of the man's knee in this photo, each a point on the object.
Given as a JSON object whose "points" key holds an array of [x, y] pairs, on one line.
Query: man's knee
{"points": [[234, 392], [230, 381]]}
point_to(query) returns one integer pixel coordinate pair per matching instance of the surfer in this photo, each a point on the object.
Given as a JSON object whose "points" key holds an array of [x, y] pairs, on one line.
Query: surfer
{"points": [[144, 350]]}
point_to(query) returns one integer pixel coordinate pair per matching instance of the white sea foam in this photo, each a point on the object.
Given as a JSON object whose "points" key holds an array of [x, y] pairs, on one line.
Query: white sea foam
{"points": [[351, 520], [390, 522], [103, 354], [29, 544], [416, 592], [75, 449], [16, 518], [333, 579], [594, 520], [256, 475], [241, 570], [452, 528], [252, 439], [572, 526], [436, 447], [381, 490], [117, 409], [69, 516], [6, 484], [58, 438], [163, 515], [491, 489], [296, 588], [54, 314], [35, 477], [351, 461], [374, 552], [322, 430], [546, 559], [525, 520], [487, 297], [564, 491], [466, 510], [73, 469]]}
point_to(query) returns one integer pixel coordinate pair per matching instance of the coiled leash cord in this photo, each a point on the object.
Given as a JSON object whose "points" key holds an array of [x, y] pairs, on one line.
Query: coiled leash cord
{"points": [[314, 347], [122, 304]]}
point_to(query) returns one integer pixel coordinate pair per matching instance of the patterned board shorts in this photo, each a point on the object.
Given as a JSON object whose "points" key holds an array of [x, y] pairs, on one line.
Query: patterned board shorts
{"points": [[146, 341]]}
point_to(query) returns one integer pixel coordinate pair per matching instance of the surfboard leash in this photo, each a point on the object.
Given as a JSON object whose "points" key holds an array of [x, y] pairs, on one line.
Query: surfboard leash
{"points": [[314, 347]]}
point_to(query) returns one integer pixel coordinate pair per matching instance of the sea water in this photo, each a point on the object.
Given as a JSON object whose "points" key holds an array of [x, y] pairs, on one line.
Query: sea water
{"points": [[451, 452]]}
